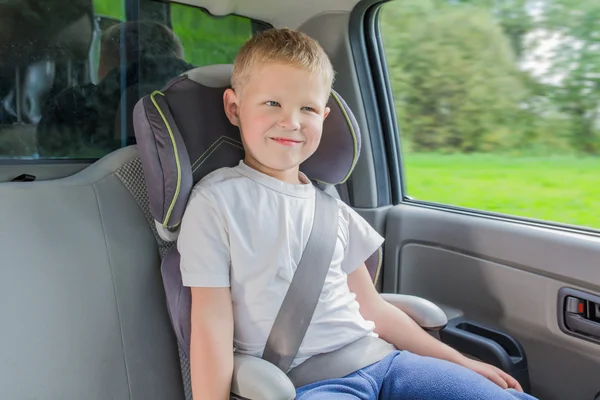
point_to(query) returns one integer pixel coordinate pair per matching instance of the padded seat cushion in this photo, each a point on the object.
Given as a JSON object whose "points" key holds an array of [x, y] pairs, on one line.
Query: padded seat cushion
{"points": [[81, 298]]}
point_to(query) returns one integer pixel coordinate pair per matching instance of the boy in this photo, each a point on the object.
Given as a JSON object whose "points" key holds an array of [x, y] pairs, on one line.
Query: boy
{"points": [[243, 234]]}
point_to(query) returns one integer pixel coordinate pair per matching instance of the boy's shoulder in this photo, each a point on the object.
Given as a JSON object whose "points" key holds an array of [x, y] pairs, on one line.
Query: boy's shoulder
{"points": [[218, 185], [216, 177]]}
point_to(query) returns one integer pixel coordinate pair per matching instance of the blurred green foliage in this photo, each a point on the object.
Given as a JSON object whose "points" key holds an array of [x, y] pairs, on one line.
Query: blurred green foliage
{"points": [[498, 104], [510, 76]]}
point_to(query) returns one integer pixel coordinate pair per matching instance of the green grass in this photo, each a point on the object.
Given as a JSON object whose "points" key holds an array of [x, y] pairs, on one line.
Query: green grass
{"points": [[110, 8], [558, 189]]}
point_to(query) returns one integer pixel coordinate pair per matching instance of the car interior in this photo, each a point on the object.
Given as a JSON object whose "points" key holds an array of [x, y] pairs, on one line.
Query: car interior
{"points": [[88, 295]]}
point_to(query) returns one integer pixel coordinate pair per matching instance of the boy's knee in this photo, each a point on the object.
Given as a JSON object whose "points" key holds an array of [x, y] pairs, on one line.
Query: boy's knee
{"points": [[412, 363]]}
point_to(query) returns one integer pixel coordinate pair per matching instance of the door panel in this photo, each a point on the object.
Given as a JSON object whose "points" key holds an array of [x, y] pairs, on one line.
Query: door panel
{"points": [[505, 274]]}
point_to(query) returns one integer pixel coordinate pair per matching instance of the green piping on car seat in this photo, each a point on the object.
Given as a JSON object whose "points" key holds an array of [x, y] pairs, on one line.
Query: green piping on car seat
{"points": [[379, 251], [177, 188], [355, 156]]}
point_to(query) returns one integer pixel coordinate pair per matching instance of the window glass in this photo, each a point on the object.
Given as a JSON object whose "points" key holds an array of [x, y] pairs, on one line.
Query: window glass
{"points": [[110, 9], [71, 71], [498, 104], [207, 39]]}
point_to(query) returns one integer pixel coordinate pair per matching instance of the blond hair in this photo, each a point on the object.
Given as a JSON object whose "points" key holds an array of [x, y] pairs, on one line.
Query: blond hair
{"points": [[284, 46]]}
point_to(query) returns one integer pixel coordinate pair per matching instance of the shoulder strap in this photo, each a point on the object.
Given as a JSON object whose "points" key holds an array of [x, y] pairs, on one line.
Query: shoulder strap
{"points": [[305, 289]]}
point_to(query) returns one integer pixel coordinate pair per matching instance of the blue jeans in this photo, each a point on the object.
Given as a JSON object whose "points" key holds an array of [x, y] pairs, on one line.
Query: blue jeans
{"points": [[406, 376]]}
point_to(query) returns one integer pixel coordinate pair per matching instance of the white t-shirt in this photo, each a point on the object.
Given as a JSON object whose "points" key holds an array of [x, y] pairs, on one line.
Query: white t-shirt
{"points": [[246, 230]]}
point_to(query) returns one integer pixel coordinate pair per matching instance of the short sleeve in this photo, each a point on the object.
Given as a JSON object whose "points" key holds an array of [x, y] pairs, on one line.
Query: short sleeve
{"points": [[203, 244], [361, 239]]}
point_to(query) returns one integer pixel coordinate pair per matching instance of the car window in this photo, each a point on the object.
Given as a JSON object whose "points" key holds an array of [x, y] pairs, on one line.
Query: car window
{"points": [[70, 76], [498, 105], [113, 9], [221, 38]]}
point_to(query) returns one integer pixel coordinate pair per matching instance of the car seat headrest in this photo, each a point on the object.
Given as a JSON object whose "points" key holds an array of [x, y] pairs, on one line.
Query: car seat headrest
{"points": [[183, 134]]}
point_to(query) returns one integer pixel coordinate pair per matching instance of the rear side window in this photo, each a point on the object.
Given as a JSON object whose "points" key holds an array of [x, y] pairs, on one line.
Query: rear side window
{"points": [[206, 39], [70, 76]]}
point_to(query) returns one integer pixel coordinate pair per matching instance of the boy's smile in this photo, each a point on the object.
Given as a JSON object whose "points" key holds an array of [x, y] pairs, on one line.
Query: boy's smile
{"points": [[286, 141], [280, 111]]}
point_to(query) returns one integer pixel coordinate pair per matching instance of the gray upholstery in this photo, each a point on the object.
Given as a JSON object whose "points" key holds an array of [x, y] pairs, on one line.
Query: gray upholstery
{"points": [[428, 315], [131, 174], [257, 379], [82, 303]]}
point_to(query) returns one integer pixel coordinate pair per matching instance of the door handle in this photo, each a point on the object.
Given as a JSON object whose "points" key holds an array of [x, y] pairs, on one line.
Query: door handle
{"points": [[580, 324], [579, 314]]}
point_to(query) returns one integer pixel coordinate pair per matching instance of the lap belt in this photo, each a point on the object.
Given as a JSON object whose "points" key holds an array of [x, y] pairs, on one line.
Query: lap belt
{"points": [[339, 363], [299, 304]]}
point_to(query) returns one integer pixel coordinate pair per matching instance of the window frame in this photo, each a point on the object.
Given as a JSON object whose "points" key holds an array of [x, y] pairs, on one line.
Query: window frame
{"points": [[366, 60], [372, 50]]}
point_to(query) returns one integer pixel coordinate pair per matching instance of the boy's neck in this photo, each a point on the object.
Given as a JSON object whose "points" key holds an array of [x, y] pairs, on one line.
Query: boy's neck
{"points": [[291, 175]]}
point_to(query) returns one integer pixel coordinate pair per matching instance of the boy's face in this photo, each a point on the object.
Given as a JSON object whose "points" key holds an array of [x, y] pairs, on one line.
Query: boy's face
{"points": [[280, 112]]}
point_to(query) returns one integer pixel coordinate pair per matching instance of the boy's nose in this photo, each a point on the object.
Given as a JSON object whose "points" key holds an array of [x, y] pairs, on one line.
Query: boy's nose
{"points": [[289, 121]]}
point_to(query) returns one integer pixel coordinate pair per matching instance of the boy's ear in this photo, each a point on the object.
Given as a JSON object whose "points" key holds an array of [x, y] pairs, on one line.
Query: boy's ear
{"points": [[326, 112], [230, 102]]}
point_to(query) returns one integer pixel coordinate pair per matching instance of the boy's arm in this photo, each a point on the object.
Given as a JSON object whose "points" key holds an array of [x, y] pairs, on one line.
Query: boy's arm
{"points": [[397, 328], [211, 343], [203, 245]]}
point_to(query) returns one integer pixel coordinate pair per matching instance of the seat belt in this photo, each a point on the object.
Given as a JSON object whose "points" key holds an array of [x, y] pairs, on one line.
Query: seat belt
{"points": [[302, 297], [342, 362], [299, 304]]}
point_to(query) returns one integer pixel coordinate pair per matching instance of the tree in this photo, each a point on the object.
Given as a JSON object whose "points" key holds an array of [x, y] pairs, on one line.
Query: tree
{"points": [[575, 66], [454, 76], [513, 16]]}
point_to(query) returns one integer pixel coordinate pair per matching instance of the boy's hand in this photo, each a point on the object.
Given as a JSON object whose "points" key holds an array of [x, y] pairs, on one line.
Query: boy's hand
{"points": [[494, 374]]}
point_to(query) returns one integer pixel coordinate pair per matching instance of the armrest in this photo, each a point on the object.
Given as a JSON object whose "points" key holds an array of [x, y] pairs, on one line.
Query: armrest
{"points": [[257, 379], [425, 313]]}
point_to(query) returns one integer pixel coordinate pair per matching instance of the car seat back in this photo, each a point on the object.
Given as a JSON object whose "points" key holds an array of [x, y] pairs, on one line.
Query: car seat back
{"points": [[143, 77], [183, 134], [82, 304]]}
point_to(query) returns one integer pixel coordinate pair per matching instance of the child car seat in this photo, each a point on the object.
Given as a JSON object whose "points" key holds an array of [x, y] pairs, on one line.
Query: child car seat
{"points": [[183, 134]]}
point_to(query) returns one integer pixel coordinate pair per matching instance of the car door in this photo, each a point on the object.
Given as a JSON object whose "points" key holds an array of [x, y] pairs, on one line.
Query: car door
{"points": [[488, 113]]}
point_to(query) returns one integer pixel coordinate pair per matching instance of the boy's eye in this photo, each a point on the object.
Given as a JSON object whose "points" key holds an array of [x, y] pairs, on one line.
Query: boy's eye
{"points": [[308, 109], [272, 103]]}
